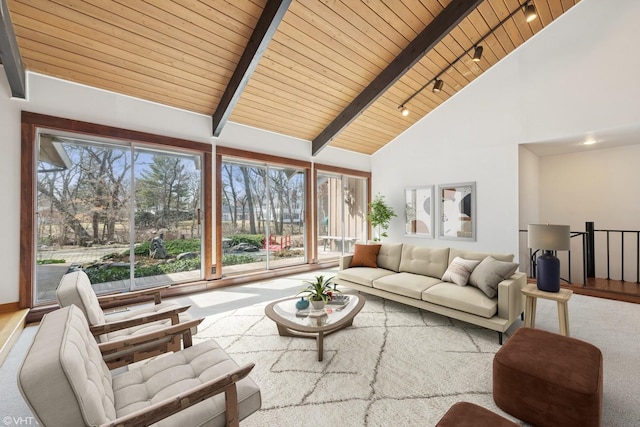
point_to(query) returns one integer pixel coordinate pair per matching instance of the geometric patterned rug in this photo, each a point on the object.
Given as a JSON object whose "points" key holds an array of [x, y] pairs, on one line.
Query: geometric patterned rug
{"points": [[396, 366]]}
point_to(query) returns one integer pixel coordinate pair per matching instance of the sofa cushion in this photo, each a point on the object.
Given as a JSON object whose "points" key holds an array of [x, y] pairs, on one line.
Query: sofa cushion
{"points": [[489, 273], [362, 275], [459, 271], [407, 284], [389, 256], [426, 261], [365, 256], [478, 256], [464, 298]]}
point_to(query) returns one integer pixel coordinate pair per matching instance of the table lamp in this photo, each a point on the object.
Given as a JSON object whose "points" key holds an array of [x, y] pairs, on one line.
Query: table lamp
{"points": [[549, 238]]}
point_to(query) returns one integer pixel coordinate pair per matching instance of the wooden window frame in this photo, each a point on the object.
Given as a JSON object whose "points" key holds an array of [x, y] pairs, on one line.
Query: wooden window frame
{"points": [[339, 171], [29, 127], [227, 152]]}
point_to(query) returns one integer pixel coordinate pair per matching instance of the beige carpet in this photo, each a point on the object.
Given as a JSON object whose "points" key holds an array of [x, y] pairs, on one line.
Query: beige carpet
{"points": [[395, 366]]}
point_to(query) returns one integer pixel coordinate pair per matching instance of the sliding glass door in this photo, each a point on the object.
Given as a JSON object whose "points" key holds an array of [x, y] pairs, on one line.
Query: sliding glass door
{"points": [[262, 216], [341, 214], [167, 231], [127, 215]]}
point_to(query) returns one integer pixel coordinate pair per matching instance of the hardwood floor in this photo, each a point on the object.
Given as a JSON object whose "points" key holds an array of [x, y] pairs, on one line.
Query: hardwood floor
{"points": [[11, 325], [606, 288]]}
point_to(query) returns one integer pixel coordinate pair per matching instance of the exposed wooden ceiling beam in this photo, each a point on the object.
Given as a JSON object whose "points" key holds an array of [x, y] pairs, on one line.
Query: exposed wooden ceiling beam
{"points": [[441, 25], [270, 18], [10, 54]]}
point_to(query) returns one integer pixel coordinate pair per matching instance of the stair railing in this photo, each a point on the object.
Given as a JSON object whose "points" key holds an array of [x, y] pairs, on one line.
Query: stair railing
{"points": [[588, 258]]}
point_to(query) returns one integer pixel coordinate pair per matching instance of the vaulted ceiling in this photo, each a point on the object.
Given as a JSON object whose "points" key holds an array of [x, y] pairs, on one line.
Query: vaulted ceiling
{"points": [[327, 71]]}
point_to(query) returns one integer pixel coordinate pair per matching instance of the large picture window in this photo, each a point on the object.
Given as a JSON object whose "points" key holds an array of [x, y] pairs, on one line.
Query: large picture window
{"points": [[126, 210], [341, 211], [263, 215]]}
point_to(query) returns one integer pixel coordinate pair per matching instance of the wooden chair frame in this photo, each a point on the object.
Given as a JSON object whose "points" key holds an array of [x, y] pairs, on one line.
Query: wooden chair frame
{"points": [[152, 414]]}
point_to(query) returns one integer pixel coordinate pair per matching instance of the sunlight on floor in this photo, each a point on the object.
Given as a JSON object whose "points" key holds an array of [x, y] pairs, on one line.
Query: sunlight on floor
{"points": [[210, 299]]}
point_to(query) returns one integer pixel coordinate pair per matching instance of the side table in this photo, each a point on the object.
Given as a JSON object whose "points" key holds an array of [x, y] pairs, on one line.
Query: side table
{"points": [[531, 291]]}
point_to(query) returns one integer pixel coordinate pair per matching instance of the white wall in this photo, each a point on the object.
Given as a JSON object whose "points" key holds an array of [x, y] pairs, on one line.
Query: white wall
{"points": [[577, 75], [9, 191], [68, 100], [599, 186], [529, 201]]}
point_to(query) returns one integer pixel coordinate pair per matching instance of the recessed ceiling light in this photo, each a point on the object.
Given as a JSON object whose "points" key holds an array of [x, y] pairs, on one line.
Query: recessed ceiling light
{"points": [[589, 142]]}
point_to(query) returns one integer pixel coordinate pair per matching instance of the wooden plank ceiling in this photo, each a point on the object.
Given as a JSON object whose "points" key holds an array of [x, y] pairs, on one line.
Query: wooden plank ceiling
{"points": [[324, 53]]}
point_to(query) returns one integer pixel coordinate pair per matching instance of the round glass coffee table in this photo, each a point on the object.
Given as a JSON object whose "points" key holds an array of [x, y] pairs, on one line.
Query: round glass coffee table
{"points": [[310, 323]]}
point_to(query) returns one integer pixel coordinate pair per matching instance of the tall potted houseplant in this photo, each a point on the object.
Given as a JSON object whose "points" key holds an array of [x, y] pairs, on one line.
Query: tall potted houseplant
{"points": [[379, 216]]}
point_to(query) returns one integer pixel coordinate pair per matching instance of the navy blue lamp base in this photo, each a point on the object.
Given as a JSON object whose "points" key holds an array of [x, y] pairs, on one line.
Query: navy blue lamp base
{"points": [[548, 272]]}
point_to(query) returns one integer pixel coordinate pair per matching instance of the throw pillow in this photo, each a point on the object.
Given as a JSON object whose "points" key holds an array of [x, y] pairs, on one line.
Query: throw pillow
{"points": [[365, 256], [459, 271], [489, 273]]}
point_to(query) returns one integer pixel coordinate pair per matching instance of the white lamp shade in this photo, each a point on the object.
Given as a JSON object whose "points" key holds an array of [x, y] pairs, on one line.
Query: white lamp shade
{"points": [[549, 237]]}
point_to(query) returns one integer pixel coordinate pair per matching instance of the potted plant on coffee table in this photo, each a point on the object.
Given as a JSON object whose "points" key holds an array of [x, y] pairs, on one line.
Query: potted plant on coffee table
{"points": [[318, 291]]}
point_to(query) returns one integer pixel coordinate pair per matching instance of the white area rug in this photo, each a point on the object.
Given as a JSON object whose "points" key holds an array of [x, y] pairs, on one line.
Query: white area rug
{"points": [[396, 366], [399, 366]]}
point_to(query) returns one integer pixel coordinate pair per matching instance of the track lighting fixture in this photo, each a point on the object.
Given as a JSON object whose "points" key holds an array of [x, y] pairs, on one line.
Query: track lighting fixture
{"points": [[477, 54], [530, 11], [530, 14]]}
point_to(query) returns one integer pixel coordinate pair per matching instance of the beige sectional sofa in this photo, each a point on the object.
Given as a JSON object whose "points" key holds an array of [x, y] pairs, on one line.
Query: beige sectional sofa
{"points": [[413, 275]]}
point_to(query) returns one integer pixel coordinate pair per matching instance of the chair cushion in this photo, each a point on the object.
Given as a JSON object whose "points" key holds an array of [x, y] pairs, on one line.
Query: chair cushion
{"points": [[63, 377], [174, 373], [147, 327], [75, 288], [66, 383]]}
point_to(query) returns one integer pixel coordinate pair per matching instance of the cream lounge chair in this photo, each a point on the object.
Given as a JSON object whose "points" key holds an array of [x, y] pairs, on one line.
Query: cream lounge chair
{"points": [[65, 382], [75, 289]]}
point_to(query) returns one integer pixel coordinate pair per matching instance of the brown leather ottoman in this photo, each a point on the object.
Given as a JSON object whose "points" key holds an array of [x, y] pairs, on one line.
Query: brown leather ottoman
{"points": [[465, 414], [546, 379]]}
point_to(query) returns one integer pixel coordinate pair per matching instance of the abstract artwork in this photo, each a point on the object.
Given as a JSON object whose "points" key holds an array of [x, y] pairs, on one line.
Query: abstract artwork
{"points": [[457, 211], [419, 211]]}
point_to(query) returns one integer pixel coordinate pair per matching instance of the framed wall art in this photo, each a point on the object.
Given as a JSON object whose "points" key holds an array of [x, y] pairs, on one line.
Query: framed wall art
{"points": [[457, 204], [419, 211]]}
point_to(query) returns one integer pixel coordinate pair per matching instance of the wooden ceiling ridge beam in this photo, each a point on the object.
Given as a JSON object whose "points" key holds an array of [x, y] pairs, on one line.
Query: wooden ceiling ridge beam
{"points": [[270, 18], [10, 54], [441, 25]]}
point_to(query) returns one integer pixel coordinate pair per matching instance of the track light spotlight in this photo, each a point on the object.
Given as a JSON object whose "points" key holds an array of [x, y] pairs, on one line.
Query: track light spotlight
{"points": [[530, 11], [477, 54], [525, 6]]}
